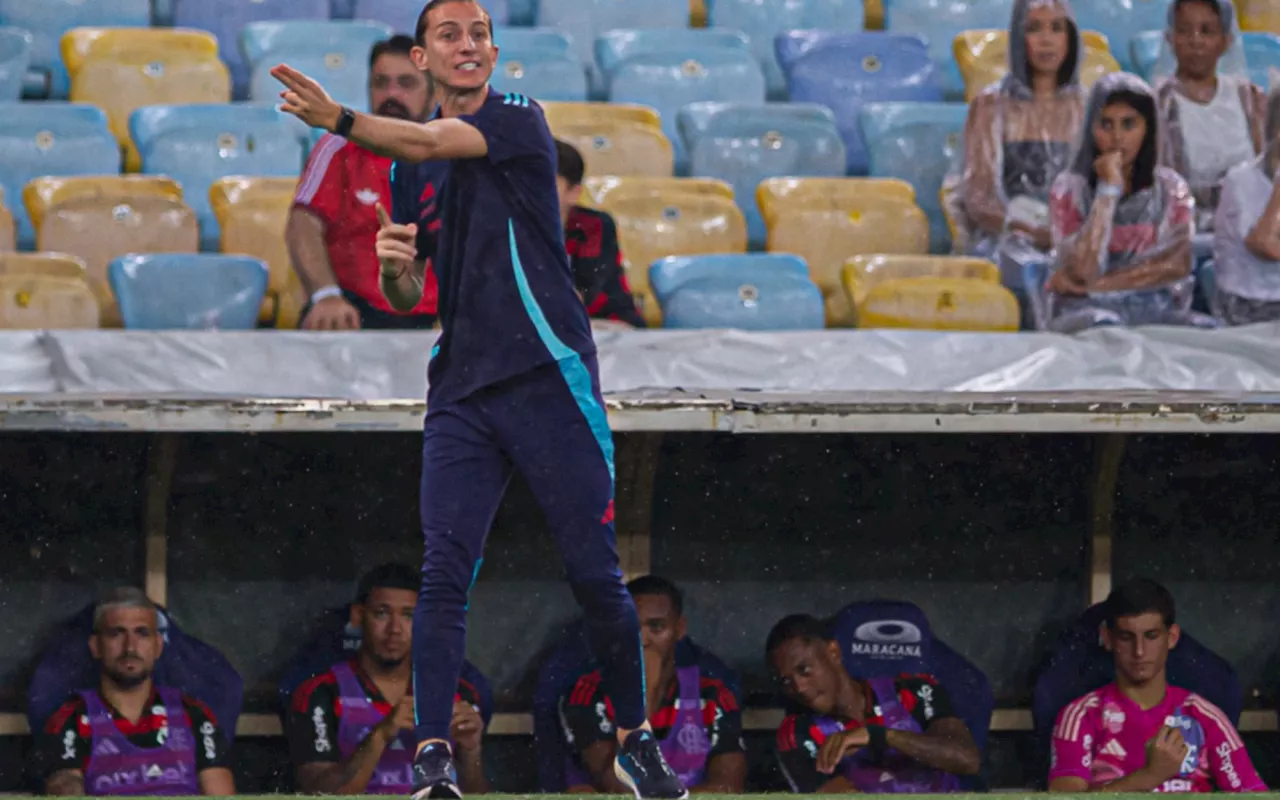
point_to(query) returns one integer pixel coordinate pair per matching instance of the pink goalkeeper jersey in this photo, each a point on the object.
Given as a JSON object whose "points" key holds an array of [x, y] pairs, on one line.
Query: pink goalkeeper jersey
{"points": [[1103, 737]]}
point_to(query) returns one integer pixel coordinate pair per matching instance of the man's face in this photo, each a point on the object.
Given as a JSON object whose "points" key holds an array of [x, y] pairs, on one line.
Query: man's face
{"points": [[809, 672], [398, 89], [570, 194], [660, 627], [1140, 645], [386, 625], [127, 645], [458, 51]]}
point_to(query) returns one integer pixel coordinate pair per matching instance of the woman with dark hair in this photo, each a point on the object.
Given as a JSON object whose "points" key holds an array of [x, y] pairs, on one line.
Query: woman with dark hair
{"points": [[1121, 224]]}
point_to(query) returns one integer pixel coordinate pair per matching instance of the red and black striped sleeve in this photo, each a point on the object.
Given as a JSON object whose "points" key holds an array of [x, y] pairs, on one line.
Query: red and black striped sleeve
{"points": [[311, 727], [64, 741], [587, 714]]}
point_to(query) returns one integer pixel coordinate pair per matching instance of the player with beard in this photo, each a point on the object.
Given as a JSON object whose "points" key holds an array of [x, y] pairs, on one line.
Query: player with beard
{"points": [[131, 737], [333, 224], [350, 729]]}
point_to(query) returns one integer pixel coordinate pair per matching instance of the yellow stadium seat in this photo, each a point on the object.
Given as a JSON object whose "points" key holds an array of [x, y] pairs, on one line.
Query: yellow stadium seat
{"points": [[290, 303], [1259, 15], [697, 13], [600, 188], [42, 194], [56, 265], [940, 304], [650, 228], [873, 15], [122, 69], [826, 231], [773, 193], [863, 273], [620, 147], [587, 113], [252, 214], [982, 56], [8, 233], [30, 301]]}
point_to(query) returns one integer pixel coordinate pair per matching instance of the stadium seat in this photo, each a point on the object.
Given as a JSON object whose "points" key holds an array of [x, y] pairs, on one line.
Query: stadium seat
{"points": [[538, 63], [42, 194], [745, 146], [163, 291], [252, 214], [939, 304], [226, 18], [1144, 51], [614, 139], [825, 231], [693, 119], [863, 628], [918, 143], [15, 57], [1261, 16], [123, 69], [756, 292], [54, 265], [29, 302], [863, 272], [1262, 54], [667, 81], [587, 113], [938, 22], [763, 21], [47, 20], [8, 233], [583, 20], [198, 144], [616, 46], [653, 226], [982, 57], [774, 194], [522, 12], [402, 15], [1118, 20], [50, 138], [598, 189], [334, 53], [846, 71]]}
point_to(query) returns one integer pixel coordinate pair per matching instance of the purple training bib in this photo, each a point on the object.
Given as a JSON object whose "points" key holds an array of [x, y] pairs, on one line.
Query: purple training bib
{"points": [[121, 768]]}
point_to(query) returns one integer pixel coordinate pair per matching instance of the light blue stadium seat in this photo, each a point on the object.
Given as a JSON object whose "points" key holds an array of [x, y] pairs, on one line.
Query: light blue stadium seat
{"points": [[197, 144], [756, 292], [694, 118], [744, 145], [919, 143], [334, 53], [47, 20], [1120, 21], [616, 46], [584, 20], [762, 21], [670, 81], [226, 18], [845, 71], [51, 138], [1261, 54], [1144, 51], [15, 58], [402, 15], [188, 291], [522, 12], [538, 63], [938, 22]]}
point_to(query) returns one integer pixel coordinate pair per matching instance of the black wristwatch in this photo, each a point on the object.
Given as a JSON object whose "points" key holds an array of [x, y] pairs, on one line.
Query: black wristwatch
{"points": [[345, 120]]}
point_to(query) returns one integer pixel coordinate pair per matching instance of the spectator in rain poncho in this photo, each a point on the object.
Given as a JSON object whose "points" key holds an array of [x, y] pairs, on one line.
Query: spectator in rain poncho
{"points": [[1210, 114], [1018, 137], [1246, 237], [1121, 224]]}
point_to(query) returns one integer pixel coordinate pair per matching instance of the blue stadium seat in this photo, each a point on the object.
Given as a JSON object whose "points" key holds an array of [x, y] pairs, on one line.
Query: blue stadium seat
{"points": [[889, 637], [694, 118], [226, 18], [919, 143], [938, 21], [47, 20], [845, 71], [669, 81], [616, 46], [1119, 21], [583, 20], [334, 53], [198, 144], [51, 138], [762, 21], [188, 291], [538, 63], [15, 58], [402, 15], [1261, 54], [1144, 51], [743, 145], [752, 291]]}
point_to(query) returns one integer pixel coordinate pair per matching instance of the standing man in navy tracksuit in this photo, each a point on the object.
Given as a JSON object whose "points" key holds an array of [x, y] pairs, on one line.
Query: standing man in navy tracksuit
{"points": [[513, 380]]}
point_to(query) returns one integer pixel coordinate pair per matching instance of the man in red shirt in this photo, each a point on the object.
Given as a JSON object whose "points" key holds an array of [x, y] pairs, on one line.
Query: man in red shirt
{"points": [[333, 225]]}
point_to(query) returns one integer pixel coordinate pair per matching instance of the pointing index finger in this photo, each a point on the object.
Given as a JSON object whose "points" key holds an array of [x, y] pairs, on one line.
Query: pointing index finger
{"points": [[383, 219]]}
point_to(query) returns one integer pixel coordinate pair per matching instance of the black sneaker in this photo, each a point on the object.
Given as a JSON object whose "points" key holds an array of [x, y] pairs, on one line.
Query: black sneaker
{"points": [[434, 775], [641, 767]]}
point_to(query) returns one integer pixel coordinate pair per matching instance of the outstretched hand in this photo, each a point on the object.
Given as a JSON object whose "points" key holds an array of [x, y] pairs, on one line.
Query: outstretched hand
{"points": [[306, 99]]}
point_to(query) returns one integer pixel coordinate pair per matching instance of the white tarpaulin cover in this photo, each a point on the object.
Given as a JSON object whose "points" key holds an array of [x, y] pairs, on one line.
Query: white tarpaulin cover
{"points": [[387, 366]]}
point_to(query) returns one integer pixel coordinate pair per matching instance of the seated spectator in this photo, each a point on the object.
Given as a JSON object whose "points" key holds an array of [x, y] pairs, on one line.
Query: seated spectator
{"points": [[131, 737], [591, 237], [1210, 113], [1139, 734], [694, 714], [1121, 224], [333, 224], [897, 735], [1018, 138], [1246, 236], [366, 704]]}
